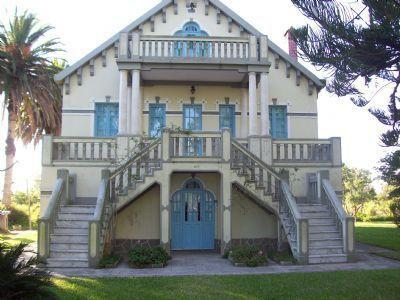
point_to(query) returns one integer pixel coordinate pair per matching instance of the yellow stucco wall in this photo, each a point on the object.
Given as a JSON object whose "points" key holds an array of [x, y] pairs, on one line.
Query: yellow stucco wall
{"points": [[249, 221], [141, 219]]}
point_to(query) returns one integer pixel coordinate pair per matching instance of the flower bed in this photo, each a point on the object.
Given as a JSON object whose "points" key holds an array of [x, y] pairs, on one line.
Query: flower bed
{"points": [[247, 256], [148, 257], [109, 262]]}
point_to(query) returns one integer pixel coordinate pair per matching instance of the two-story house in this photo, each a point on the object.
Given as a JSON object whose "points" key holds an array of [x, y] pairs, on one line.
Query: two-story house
{"points": [[192, 130]]}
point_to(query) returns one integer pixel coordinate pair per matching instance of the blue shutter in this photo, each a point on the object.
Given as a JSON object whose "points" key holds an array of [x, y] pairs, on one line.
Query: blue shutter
{"points": [[227, 118], [106, 119], [156, 119], [278, 121]]}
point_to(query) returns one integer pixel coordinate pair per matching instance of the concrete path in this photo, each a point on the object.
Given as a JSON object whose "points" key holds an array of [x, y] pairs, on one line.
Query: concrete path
{"points": [[186, 263]]}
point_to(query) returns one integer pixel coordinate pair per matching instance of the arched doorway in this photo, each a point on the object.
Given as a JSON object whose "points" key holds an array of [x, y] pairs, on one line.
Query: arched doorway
{"points": [[193, 218]]}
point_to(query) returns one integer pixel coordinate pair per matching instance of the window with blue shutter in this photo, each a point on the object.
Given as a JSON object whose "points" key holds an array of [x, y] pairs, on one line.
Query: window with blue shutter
{"points": [[278, 121], [192, 121], [227, 118], [106, 119], [156, 119]]}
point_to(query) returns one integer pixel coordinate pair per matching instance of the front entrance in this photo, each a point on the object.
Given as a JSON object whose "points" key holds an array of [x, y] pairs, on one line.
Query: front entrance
{"points": [[193, 218]]}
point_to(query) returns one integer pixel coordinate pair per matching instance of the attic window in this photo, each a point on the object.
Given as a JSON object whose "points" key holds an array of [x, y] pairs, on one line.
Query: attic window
{"points": [[191, 5]]}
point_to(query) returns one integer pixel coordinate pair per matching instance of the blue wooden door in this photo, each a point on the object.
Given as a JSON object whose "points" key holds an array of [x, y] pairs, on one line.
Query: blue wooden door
{"points": [[192, 121], [106, 119], [193, 220]]}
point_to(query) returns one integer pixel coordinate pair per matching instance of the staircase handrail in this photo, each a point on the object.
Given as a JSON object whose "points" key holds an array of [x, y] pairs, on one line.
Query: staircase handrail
{"points": [[291, 201], [99, 222], [344, 222], [142, 152]]}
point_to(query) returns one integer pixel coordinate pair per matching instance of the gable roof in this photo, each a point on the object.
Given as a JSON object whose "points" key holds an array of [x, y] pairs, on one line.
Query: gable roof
{"points": [[163, 4]]}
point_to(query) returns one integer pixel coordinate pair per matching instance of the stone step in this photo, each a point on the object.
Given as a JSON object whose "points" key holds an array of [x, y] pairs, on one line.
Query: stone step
{"points": [[70, 230], [315, 228], [324, 234], [69, 238], [72, 223], [327, 259], [316, 214], [67, 263], [57, 246], [86, 209], [326, 242], [69, 254], [312, 207], [75, 217], [327, 250], [321, 221]]}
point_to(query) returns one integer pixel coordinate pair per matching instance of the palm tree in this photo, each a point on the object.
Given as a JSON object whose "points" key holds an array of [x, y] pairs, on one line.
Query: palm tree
{"points": [[31, 96]]}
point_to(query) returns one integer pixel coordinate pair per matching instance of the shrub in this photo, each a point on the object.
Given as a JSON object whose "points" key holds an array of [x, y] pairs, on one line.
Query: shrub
{"points": [[142, 256], [20, 215], [395, 209], [251, 256], [19, 278], [109, 260]]}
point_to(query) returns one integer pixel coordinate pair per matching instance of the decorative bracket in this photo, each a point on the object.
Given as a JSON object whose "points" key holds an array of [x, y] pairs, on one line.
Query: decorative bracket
{"points": [[310, 87], [175, 7], [116, 49], [67, 85], [104, 58], [230, 23], [218, 16], [164, 15], [79, 75], [152, 21], [288, 67], [207, 7], [277, 59], [298, 77], [91, 67]]}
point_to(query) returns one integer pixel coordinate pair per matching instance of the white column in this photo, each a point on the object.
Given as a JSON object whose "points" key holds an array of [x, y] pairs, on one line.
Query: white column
{"points": [[252, 104], [245, 110], [136, 127], [123, 98], [264, 96], [129, 112]]}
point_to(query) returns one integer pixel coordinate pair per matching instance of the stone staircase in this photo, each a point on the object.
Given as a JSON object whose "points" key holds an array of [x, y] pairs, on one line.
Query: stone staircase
{"points": [[325, 241], [69, 241]]}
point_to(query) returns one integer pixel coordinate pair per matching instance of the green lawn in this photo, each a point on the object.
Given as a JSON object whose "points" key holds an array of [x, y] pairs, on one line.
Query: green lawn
{"points": [[382, 234], [16, 237], [336, 285]]}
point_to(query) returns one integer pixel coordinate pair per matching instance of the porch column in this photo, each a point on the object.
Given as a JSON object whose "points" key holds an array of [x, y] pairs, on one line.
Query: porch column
{"points": [[226, 206], [123, 99], [136, 121], [252, 104], [165, 213], [245, 110], [129, 109], [264, 104]]}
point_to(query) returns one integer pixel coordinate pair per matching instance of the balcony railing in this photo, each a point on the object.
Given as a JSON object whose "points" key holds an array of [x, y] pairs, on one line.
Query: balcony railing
{"points": [[83, 149], [196, 145], [193, 48], [292, 150]]}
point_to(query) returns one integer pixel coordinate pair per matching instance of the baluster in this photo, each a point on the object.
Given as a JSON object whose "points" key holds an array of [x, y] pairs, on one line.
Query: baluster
{"points": [[100, 151], [59, 153], [129, 176], [294, 156], [252, 171], [162, 48], [269, 183], [121, 182], [84, 151], [237, 50], [278, 151], [225, 50], [108, 150], [146, 164], [231, 50], [219, 50], [261, 177], [138, 166], [156, 48], [286, 151], [75, 151]]}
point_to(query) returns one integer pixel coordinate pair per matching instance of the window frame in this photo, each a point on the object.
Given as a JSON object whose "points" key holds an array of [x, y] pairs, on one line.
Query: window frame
{"points": [[153, 106], [232, 126]]}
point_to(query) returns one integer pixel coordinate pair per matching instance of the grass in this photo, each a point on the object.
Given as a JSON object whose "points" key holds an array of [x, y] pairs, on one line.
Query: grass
{"points": [[381, 234], [335, 285], [17, 237]]}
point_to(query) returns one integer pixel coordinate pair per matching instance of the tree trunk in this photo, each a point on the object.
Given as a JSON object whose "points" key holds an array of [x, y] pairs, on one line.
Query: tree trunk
{"points": [[10, 156]]}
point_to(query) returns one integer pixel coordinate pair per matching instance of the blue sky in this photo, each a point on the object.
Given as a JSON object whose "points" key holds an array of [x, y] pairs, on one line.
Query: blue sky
{"points": [[83, 25]]}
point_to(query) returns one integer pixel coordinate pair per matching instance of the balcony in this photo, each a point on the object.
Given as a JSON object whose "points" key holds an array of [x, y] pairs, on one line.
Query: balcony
{"points": [[172, 58]]}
